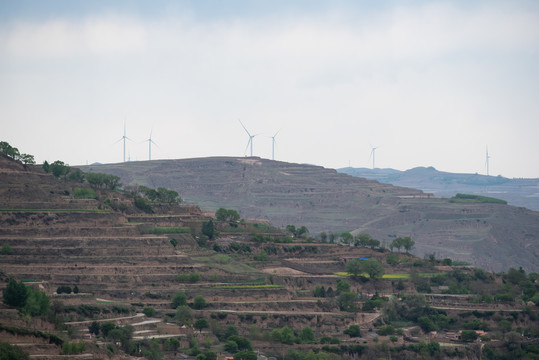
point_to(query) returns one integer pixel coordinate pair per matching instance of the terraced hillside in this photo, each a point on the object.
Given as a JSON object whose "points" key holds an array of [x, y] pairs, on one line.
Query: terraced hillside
{"points": [[250, 284], [491, 236]]}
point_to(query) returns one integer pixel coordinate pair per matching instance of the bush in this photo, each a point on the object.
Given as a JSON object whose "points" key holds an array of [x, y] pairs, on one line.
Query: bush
{"points": [[149, 311], [353, 331], [6, 250], [179, 299], [199, 302], [15, 294], [84, 193], [12, 352], [63, 289]]}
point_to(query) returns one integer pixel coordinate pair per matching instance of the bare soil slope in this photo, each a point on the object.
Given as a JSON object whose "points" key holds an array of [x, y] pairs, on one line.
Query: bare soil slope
{"points": [[492, 236]]}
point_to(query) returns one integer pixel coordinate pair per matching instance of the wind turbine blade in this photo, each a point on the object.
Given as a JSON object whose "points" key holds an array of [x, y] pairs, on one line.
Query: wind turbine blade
{"points": [[244, 128], [276, 133]]}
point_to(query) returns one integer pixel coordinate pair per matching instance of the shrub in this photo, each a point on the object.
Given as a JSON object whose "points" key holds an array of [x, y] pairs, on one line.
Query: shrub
{"points": [[6, 250], [64, 289], [199, 302], [179, 299], [353, 331], [149, 311], [84, 193]]}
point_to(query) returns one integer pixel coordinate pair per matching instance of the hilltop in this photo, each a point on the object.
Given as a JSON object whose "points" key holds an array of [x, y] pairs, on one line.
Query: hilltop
{"points": [[105, 278], [517, 192], [492, 236]]}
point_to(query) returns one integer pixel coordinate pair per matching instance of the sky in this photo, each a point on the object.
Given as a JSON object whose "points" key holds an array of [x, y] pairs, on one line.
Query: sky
{"points": [[428, 83]]}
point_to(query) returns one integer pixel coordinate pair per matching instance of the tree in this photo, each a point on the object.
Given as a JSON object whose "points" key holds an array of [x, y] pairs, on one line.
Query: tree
{"points": [[6, 250], [179, 299], [346, 237], [343, 286], [149, 311], [231, 346], [245, 355], [28, 159], [319, 291], [353, 267], [364, 239], [106, 327], [37, 303], [408, 244], [468, 335], [302, 231], [306, 336], [287, 336], [12, 352], [199, 302], [373, 268], [243, 343], [347, 301], [229, 215], [94, 328], [174, 242], [201, 324], [323, 236], [208, 229], [15, 294], [353, 331], [184, 314], [59, 168], [291, 229]]}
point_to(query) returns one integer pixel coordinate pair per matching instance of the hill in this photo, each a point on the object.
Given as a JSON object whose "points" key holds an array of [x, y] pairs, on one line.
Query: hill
{"points": [[102, 280], [517, 192], [492, 236]]}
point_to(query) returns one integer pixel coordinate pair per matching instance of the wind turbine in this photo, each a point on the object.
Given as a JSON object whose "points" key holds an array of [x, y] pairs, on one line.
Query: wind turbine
{"points": [[373, 150], [150, 141], [124, 138], [250, 142], [487, 161], [273, 145]]}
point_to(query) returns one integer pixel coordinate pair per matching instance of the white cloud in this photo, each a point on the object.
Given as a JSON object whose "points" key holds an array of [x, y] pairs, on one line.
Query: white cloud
{"points": [[415, 80]]}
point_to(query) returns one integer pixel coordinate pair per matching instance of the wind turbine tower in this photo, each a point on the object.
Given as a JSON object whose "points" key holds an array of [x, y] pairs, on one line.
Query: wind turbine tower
{"points": [[273, 145], [373, 150], [487, 162], [124, 138], [250, 142], [150, 141]]}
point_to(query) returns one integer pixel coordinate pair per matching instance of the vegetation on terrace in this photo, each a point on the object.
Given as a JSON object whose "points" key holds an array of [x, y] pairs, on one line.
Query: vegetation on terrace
{"points": [[300, 309]]}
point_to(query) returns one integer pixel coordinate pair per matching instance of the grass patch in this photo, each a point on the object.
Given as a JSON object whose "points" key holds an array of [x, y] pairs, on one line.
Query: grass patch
{"points": [[248, 287], [468, 198], [391, 276], [162, 230]]}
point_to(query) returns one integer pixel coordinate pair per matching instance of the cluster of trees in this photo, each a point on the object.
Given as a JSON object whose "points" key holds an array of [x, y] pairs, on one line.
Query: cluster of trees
{"points": [[13, 153], [402, 242], [371, 267], [300, 232], [227, 215], [64, 289], [161, 195], [103, 181], [28, 300], [115, 333]]}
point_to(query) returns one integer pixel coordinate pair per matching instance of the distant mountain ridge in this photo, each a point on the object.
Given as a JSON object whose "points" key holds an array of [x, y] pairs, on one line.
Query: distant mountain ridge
{"points": [[492, 236], [517, 192]]}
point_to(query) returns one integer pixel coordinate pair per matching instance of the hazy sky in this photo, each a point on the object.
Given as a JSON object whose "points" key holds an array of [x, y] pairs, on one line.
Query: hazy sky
{"points": [[429, 83]]}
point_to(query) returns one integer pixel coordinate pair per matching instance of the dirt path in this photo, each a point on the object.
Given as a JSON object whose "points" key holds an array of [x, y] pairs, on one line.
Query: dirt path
{"points": [[103, 320]]}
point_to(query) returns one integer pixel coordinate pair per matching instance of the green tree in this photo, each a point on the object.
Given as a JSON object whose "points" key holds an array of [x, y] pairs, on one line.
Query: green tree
{"points": [[346, 237], [243, 343], [319, 291], [408, 244], [347, 301], [287, 336], [94, 328], [373, 268], [306, 336], [59, 168], [468, 335], [179, 299], [302, 232], [353, 331], [12, 352], [106, 327], [245, 355], [364, 239], [183, 315], [15, 294], [208, 229], [354, 267], [392, 259], [199, 302], [6, 250], [174, 242], [231, 346], [343, 286], [201, 324], [149, 311], [37, 303]]}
